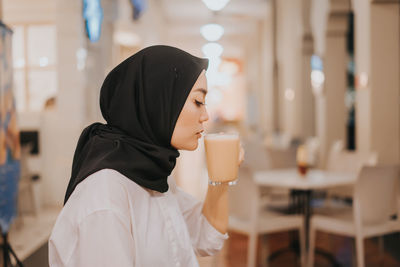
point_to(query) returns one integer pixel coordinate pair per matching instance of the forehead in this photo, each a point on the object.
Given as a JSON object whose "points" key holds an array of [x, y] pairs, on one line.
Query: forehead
{"points": [[201, 83]]}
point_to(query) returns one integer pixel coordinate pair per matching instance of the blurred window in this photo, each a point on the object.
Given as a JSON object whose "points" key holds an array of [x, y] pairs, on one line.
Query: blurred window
{"points": [[34, 61]]}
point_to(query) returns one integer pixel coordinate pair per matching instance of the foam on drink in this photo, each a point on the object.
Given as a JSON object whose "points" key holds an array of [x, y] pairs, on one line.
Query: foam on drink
{"points": [[222, 153]]}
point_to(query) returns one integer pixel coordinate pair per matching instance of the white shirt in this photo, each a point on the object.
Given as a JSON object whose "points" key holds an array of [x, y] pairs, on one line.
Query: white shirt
{"points": [[111, 221]]}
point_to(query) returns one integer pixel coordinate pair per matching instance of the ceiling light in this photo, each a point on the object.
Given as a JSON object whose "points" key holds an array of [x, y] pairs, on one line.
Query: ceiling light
{"points": [[212, 32], [317, 78], [218, 79], [213, 64], [230, 67], [215, 5], [289, 94], [212, 50]]}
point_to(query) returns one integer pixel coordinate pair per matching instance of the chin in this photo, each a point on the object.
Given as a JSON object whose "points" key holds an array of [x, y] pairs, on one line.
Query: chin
{"points": [[187, 144], [190, 146]]}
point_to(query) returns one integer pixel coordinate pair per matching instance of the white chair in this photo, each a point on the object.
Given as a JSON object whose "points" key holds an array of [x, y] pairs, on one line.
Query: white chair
{"points": [[375, 199], [249, 216], [278, 140], [342, 160], [349, 161], [313, 146], [264, 157], [260, 158], [256, 157]]}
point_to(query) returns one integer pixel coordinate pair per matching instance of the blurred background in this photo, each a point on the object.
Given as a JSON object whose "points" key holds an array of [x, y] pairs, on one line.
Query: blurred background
{"points": [[322, 75]]}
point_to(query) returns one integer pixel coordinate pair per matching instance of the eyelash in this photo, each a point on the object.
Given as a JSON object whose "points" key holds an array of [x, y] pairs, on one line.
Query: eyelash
{"points": [[198, 103]]}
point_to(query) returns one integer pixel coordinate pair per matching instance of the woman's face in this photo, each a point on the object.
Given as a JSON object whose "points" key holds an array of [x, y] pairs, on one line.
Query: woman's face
{"points": [[189, 126]]}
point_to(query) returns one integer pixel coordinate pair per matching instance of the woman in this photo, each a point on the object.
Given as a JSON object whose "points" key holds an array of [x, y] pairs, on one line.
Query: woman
{"points": [[120, 209]]}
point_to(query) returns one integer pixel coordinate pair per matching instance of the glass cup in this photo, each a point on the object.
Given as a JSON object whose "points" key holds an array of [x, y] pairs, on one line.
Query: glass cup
{"points": [[222, 154], [302, 160], [302, 168]]}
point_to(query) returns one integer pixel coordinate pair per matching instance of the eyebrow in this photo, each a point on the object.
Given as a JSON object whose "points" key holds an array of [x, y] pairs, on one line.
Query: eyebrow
{"points": [[204, 91]]}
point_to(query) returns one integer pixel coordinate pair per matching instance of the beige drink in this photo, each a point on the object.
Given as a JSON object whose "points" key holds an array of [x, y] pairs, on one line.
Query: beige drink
{"points": [[222, 152]]}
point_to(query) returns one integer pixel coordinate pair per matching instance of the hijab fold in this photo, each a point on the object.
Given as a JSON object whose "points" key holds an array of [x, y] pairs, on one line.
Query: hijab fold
{"points": [[141, 100]]}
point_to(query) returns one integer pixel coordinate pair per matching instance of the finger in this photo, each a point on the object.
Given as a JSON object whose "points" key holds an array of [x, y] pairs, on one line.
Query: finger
{"points": [[241, 155]]}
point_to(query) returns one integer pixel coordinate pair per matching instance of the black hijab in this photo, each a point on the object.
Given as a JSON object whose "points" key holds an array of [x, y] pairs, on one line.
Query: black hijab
{"points": [[141, 100]]}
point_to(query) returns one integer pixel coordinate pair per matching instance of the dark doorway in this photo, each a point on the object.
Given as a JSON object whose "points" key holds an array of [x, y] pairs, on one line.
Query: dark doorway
{"points": [[350, 92]]}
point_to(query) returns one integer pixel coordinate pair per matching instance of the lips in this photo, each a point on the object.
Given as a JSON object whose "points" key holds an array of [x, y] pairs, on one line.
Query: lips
{"points": [[199, 134]]}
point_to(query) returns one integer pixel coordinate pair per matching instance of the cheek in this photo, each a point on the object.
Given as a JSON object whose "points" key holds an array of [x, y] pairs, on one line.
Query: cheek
{"points": [[188, 124], [190, 118]]}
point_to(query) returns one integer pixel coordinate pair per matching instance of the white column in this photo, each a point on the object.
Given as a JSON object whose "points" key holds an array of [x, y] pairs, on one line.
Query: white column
{"points": [[269, 95], [81, 70], [331, 116], [377, 28], [99, 60], [294, 50], [307, 97], [289, 59], [265, 74], [307, 101], [252, 69], [61, 128], [275, 70]]}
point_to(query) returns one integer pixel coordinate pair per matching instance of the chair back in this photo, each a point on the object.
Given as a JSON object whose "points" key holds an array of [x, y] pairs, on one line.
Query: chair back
{"points": [[341, 160], [376, 193], [313, 147], [256, 155], [260, 157], [282, 158], [334, 154], [278, 140]]}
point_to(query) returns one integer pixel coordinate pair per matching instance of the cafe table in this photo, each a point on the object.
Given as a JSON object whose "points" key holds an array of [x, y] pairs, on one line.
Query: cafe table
{"points": [[302, 187]]}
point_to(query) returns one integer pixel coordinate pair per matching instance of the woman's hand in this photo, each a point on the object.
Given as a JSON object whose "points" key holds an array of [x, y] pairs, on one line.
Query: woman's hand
{"points": [[215, 207], [241, 155]]}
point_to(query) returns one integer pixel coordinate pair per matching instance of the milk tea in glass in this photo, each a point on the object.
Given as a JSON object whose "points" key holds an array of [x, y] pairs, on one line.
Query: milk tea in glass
{"points": [[302, 160], [222, 153]]}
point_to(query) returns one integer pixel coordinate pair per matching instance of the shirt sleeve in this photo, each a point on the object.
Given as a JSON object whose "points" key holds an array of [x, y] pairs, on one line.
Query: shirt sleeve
{"points": [[206, 240], [104, 239]]}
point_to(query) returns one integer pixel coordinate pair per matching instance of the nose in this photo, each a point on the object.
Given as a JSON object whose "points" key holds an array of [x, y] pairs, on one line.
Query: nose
{"points": [[204, 116]]}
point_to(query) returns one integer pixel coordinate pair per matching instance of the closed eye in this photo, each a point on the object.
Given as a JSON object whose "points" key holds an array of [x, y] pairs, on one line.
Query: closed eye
{"points": [[199, 104]]}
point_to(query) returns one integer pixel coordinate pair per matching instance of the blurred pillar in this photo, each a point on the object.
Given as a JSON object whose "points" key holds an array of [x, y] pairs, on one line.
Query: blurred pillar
{"points": [[330, 103], [81, 69], [307, 97], [269, 70], [60, 129], [377, 56], [99, 60], [289, 63], [292, 68], [266, 75], [253, 105], [275, 87]]}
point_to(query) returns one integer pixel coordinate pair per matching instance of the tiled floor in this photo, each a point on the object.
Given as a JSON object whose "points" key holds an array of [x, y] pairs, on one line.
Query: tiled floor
{"points": [[234, 252]]}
